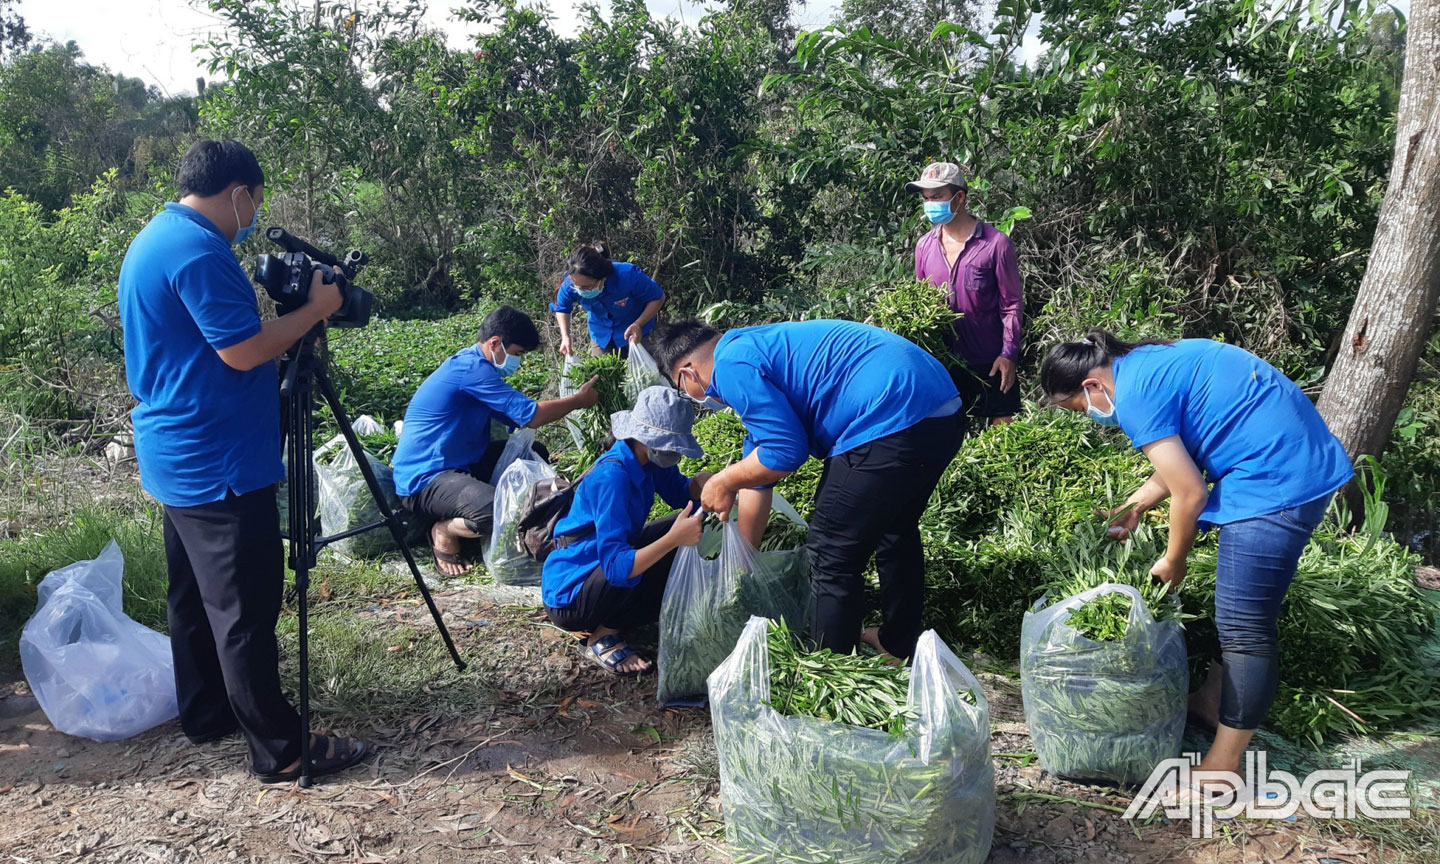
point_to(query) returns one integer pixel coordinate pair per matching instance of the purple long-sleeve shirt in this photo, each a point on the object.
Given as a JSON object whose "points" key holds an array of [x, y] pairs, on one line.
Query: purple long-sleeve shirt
{"points": [[984, 287]]}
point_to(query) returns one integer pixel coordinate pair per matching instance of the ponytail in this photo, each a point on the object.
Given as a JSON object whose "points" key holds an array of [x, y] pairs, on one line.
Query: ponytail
{"points": [[592, 260], [1069, 363]]}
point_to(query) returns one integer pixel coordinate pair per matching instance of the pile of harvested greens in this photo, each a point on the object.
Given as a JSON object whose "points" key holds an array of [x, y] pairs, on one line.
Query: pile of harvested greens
{"points": [[797, 788]]}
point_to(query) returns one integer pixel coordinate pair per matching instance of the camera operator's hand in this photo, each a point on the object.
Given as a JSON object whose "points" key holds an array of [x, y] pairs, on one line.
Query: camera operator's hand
{"points": [[325, 298]]}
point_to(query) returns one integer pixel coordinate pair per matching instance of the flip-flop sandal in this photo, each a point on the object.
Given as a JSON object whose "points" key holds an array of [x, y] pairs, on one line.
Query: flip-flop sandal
{"points": [[328, 755], [609, 652], [450, 558]]}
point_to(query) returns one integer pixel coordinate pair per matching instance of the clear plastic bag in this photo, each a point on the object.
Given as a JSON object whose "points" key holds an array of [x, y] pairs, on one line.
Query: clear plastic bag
{"points": [[569, 387], [95, 672], [804, 789], [345, 501], [508, 561], [1103, 710], [708, 602], [520, 445], [641, 372]]}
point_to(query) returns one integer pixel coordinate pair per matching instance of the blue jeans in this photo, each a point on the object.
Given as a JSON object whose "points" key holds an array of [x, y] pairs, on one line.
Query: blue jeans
{"points": [[1258, 558]]}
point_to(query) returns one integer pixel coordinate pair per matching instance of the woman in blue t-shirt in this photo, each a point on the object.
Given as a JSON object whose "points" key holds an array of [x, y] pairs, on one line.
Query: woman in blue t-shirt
{"points": [[608, 572], [620, 301], [1235, 444]]}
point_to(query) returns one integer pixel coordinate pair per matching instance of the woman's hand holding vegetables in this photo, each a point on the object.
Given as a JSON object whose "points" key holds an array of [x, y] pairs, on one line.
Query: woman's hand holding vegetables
{"points": [[1172, 573]]}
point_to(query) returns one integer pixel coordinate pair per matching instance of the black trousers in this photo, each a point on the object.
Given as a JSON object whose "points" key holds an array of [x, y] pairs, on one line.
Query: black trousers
{"points": [[226, 566], [982, 394], [601, 604], [869, 502]]}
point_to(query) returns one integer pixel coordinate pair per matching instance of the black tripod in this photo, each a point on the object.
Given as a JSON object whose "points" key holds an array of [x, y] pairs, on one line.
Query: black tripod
{"points": [[302, 373]]}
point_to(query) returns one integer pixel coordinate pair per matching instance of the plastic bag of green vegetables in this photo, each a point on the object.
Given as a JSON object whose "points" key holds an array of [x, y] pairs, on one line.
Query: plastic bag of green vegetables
{"points": [[708, 602], [1104, 684], [799, 788], [641, 372], [345, 501], [506, 559]]}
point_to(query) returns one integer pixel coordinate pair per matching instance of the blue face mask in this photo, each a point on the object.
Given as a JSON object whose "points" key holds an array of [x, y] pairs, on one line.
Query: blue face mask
{"points": [[591, 293], [245, 230], [510, 365], [939, 212], [1104, 418]]}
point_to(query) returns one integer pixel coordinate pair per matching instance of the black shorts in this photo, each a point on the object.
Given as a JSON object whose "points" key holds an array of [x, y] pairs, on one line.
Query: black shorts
{"points": [[982, 394], [463, 494]]}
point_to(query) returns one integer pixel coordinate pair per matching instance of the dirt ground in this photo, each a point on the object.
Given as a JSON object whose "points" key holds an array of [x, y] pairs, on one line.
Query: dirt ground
{"points": [[568, 764]]}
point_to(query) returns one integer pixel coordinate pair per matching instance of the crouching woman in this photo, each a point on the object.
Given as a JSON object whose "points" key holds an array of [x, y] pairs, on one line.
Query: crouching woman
{"points": [[1234, 444], [608, 572]]}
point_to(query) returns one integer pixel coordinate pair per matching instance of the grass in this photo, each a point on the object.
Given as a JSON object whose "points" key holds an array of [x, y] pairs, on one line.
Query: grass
{"points": [[26, 561]]}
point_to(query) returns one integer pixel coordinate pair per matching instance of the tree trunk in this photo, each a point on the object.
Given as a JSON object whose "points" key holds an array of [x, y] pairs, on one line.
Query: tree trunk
{"points": [[1395, 307]]}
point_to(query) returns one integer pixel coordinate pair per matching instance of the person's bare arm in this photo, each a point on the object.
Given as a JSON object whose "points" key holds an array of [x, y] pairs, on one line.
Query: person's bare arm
{"points": [[754, 515], [748, 473], [634, 331], [685, 531], [1188, 494], [562, 320], [554, 409], [278, 334]]}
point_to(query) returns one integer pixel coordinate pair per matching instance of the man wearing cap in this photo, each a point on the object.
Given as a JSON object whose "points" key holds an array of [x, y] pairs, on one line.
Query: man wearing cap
{"points": [[975, 263], [882, 414], [608, 572]]}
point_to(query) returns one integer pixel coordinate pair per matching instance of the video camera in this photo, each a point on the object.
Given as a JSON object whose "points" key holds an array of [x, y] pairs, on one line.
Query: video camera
{"points": [[286, 278]]}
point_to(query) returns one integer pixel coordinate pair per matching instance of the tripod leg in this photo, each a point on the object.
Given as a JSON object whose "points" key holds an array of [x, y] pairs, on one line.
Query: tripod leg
{"points": [[302, 540], [392, 519]]}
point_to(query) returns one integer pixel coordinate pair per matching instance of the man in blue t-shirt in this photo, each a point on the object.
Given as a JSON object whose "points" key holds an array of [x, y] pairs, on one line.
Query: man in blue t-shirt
{"points": [[445, 456], [882, 414], [200, 363]]}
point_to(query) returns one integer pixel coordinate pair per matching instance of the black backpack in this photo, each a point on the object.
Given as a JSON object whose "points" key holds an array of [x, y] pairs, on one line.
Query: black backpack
{"points": [[547, 502]]}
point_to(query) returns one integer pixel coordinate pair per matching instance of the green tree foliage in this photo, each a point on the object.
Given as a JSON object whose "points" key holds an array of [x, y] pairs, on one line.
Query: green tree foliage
{"points": [[63, 123]]}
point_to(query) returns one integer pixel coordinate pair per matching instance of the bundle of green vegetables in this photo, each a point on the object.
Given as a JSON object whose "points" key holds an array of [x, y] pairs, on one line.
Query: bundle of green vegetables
{"points": [[910, 782], [1103, 663], [589, 427], [708, 602]]}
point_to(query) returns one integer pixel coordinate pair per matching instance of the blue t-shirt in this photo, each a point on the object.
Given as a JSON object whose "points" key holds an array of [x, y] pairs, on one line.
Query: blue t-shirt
{"points": [[447, 424], [1252, 432], [625, 296], [822, 388], [611, 505], [202, 428]]}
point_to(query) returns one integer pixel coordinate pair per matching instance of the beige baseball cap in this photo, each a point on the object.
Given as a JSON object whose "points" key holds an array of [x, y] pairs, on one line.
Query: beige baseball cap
{"points": [[938, 174]]}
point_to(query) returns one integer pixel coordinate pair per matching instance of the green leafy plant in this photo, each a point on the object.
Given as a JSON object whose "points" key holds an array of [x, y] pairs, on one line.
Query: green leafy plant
{"points": [[859, 689]]}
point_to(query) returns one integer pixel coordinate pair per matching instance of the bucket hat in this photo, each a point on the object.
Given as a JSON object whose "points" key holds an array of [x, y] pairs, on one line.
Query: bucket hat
{"points": [[661, 420]]}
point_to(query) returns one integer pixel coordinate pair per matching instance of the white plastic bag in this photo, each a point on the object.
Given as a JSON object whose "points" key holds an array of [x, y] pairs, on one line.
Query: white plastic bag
{"points": [[506, 559], [1103, 710], [345, 501], [95, 672], [805, 789], [641, 372], [707, 604], [367, 425]]}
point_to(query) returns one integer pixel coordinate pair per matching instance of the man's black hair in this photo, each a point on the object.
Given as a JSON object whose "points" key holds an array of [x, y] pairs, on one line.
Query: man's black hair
{"points": [[671, 343], [512, 326], [209, 166]]}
